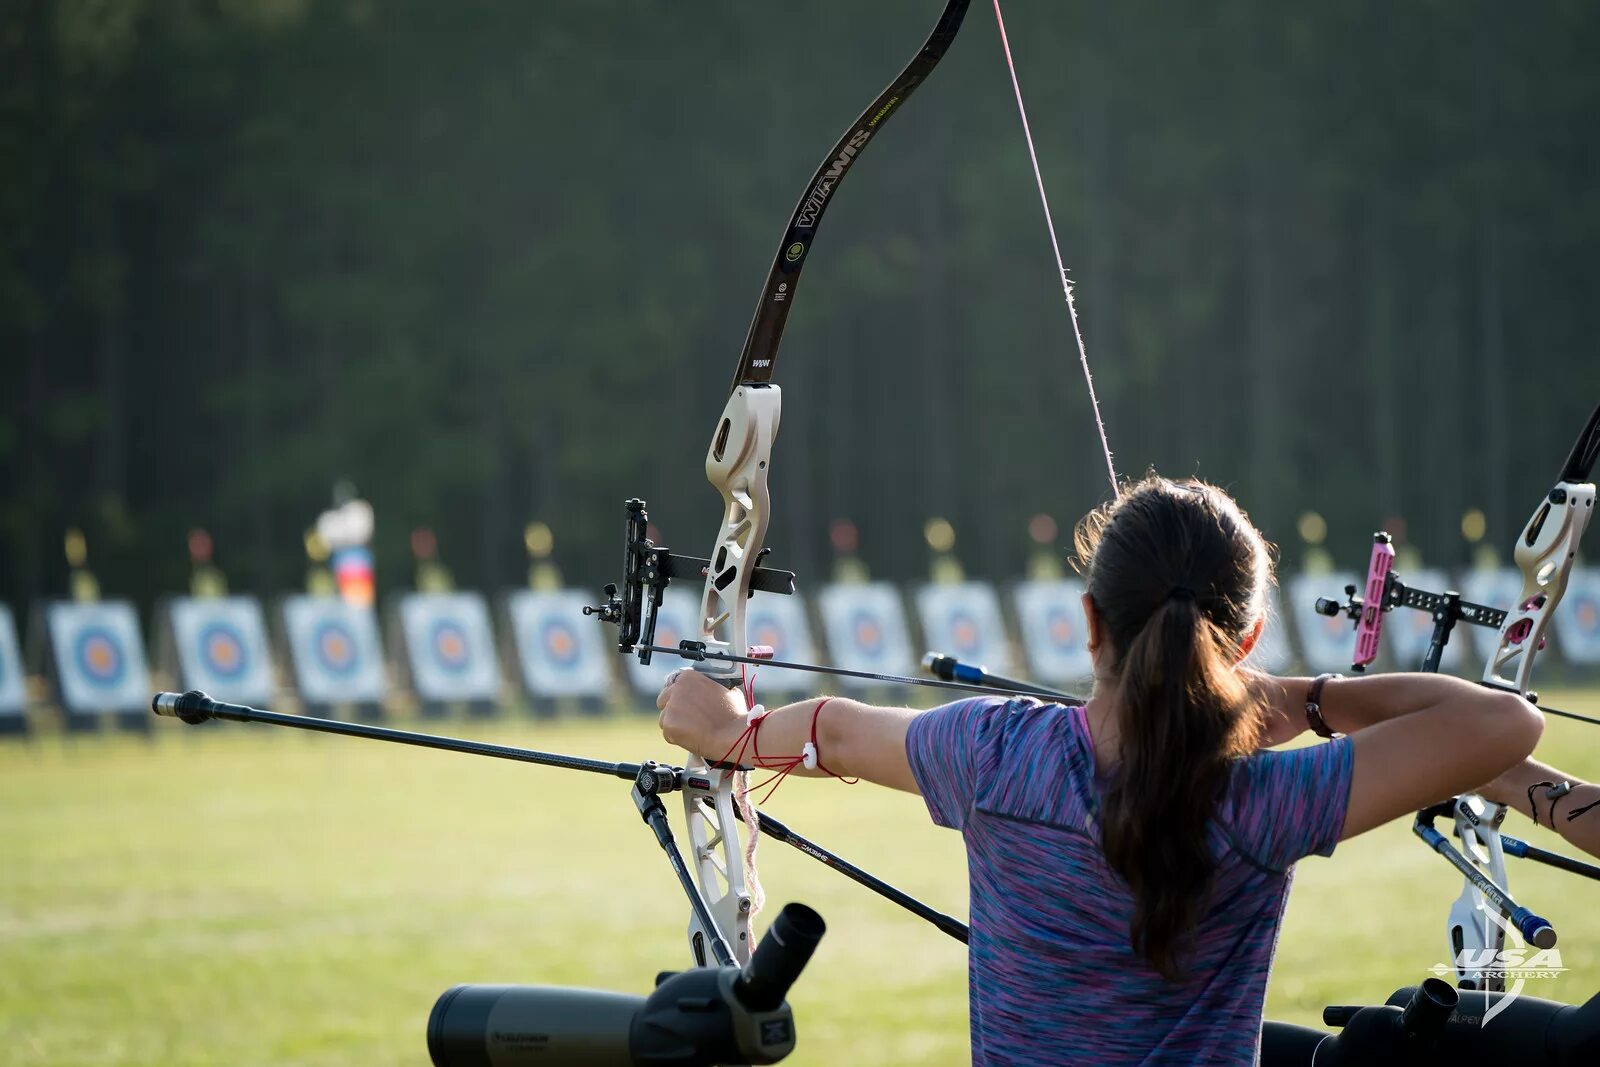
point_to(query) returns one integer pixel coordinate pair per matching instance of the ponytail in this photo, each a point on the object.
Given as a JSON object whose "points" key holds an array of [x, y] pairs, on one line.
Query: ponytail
{"points": [[1177, 576]]}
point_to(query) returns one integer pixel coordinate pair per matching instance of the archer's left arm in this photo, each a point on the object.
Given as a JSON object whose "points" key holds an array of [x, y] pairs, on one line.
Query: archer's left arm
{"points": [[1573, 813], [851, 739]]}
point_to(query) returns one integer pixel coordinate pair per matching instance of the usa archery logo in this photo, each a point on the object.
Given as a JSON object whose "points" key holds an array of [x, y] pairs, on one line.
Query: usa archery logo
{"points": [[1514, 962]]}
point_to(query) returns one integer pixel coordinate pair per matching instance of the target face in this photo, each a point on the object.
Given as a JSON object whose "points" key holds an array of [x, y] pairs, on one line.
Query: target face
{"points": [[560, 653], [99, 656], [868, 633], [866, 630], [223, 651], [1061, 628], [965, 637], [1053, 630], [964, 620], [335, 650], [221, 644], [560, 644], [450, 647]]}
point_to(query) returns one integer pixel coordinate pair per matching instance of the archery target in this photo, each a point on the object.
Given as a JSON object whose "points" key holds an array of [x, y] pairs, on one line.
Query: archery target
{"points": [[222, 648], [865, 627], [675, 621], [99, 656], [1326, 644], [335, 650], [560, 651], [1493, 588], [1272, 652], [449, 647], [1055, 634], [963, 620], [13, 693], [1577, 618], [779, 622], [1407, 631]]}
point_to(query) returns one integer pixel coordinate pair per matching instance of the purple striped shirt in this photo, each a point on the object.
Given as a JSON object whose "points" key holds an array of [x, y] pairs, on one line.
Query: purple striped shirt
{"points": [[1053, 979]]}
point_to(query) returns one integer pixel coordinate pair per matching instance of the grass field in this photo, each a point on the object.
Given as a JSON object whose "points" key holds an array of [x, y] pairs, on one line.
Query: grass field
{"points": [[244, 895]]}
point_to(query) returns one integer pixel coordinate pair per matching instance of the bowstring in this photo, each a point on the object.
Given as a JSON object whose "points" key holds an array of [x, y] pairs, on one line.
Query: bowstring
{"points": [[1055, 246]]}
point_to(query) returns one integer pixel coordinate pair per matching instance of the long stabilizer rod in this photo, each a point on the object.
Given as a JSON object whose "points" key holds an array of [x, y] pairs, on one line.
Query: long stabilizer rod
{"points": [[195, 707]]}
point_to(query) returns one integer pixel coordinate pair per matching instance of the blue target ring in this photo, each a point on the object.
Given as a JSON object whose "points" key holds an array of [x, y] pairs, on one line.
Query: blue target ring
{"points": [[451, 649], [559, 642], [335, 648], [99, 657], [223, 651]]}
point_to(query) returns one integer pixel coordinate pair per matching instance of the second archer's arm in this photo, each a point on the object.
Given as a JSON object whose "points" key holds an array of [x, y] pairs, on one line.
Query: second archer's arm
{"points": [[1573, 813]]}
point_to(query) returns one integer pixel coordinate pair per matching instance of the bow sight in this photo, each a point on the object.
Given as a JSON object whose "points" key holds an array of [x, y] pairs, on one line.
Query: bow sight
{"points": [[647, 568]]}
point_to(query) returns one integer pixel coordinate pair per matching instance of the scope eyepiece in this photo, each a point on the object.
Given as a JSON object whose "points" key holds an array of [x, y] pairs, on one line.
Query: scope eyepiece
{"points": [[783, 953]]}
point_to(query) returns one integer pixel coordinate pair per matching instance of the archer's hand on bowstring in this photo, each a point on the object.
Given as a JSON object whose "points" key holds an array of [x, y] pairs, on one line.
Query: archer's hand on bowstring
{"points": [[848, 739]]}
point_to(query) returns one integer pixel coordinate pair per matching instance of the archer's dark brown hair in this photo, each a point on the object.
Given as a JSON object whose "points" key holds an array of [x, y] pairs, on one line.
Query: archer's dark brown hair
{"points": [[1179, 578]]}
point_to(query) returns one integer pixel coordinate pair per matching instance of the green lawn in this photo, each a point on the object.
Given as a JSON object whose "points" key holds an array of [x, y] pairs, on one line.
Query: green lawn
{"points": [[244, 895]]}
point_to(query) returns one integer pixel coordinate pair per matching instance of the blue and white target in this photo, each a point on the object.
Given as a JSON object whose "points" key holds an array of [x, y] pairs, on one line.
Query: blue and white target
{"points": [[867, 632], [1577, 618], [1326, 644], [450, 647], [335, 650], [559, 642], [223, 651], [865, 627], [560, 651], [447, 642], [1054, 631], [99, 656], [963, 620], [221, 645], [13, 694]]}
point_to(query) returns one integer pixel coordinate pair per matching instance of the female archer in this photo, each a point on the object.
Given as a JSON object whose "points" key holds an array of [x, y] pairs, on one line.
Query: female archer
{"points": [[1129, 860]]}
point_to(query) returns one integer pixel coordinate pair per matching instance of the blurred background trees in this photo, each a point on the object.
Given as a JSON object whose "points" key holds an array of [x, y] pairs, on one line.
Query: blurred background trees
{"points": [[493, 261]]}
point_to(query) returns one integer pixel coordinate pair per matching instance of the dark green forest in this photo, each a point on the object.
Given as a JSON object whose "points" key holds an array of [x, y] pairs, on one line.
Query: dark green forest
{"points": [[493, 261]]}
